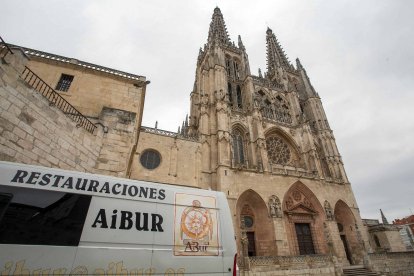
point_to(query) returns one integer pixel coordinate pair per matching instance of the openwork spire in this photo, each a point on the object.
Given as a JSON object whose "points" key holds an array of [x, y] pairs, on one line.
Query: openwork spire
{"points": [[275, 55], [218, 31]]}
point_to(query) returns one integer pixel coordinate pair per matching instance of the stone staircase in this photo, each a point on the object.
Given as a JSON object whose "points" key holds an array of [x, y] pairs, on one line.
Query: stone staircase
{"points": [[358, 270]]}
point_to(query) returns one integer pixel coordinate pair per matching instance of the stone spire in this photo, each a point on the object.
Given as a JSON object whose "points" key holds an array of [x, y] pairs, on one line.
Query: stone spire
{"points": [[310, 91], [384, 219], [240, 43], [275, 55], [218, 31], [298, 64]]}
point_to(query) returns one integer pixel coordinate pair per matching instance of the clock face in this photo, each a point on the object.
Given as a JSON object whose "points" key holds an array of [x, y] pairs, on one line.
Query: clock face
{"points": [[248, 221]]}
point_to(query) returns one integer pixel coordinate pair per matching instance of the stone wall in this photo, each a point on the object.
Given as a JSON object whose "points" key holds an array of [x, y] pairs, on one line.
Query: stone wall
{"points": [[119, 137], [393, 263], [321, 265], [33, 132], [90, 90], [180, 159]]}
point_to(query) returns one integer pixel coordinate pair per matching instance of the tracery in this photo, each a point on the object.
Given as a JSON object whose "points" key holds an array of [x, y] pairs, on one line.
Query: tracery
{"points": [[274, 109]]}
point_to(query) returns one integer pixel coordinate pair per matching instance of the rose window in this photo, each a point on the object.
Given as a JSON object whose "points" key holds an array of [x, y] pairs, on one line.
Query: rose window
{"points": [[278, 151]]}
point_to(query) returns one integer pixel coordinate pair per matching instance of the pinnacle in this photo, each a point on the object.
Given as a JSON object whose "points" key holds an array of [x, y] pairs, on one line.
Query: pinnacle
{"points": [[269, 31], [384, 219], [240, 42], [276, 56], [298, 64], [218, 30]]}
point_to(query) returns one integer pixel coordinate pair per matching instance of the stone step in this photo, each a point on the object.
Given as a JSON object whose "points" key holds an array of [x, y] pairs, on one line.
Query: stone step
{"points": [[358, 271]]}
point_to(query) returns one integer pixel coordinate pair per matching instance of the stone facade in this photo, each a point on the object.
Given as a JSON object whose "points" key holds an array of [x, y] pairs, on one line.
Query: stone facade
{"points": [[384, 237], [266, 139], [395, 264], [262, 140], [34, 130], [93, 87]]}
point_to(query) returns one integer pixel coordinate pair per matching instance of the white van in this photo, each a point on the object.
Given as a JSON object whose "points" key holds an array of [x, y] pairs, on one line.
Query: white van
{"points": [[58, 222]]}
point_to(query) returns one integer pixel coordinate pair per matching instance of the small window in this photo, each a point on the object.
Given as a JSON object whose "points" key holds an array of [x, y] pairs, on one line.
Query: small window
{"points": [[377, 242], [64, 82], [150, 159]]}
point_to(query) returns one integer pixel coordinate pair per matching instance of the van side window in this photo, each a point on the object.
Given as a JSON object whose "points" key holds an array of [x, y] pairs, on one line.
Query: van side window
{"points": [[31, 216]]}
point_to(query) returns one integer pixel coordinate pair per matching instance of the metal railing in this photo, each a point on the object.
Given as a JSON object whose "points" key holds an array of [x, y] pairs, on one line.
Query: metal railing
{"points": [[168, 133], [4, 48], [57, 100]]}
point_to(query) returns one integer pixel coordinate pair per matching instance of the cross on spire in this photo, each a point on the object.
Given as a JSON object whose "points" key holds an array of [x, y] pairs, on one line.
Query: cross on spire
{"points": [[218, 30]]}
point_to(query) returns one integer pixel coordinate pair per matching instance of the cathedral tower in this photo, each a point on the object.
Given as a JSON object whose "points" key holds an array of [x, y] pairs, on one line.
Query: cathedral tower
{"points": [[265, 141], [221, 91]]}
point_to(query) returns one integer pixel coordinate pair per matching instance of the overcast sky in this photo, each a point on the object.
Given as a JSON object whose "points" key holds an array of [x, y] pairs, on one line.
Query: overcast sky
{"points": [[359, 56]]}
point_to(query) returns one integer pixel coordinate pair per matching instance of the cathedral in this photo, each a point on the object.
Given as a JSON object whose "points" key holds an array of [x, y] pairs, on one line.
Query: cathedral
{"points": [[263, 140]]}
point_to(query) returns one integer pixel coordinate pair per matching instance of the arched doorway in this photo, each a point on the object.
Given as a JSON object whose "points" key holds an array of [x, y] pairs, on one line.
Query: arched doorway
{"points": [[304, 217], [258, 226], [348, 232]]}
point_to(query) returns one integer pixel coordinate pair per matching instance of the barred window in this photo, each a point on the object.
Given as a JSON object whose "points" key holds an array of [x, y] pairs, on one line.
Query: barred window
{"points": [[64, 82], [150, 159]]}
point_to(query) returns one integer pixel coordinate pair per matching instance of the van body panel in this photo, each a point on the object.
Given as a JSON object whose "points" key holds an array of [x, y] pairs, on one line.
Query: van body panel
{"points": [[24, 259], [78, 223]]}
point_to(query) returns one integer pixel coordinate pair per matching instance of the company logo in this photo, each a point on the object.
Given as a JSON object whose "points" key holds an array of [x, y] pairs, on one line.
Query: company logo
{"points": [[195, 226]]}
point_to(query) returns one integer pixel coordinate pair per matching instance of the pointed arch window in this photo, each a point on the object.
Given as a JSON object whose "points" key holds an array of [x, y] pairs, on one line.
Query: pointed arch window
{"points": [[324, 164], [275, 109], [238, 147], [239, 97], [267, 109], [228, 68], [236, 70], [230, 94]]}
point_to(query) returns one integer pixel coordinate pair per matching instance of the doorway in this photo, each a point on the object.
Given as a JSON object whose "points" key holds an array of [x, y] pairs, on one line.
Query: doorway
{"points": [[304, 236], [251, 245], [347, 252]]}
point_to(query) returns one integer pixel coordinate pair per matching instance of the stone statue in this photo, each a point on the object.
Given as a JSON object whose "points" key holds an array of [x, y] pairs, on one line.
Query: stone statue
{"points": [[275, 209], [328, 211]]}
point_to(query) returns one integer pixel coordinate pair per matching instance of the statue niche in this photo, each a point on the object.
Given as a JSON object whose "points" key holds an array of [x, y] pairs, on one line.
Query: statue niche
{"points": [[275, 208]]}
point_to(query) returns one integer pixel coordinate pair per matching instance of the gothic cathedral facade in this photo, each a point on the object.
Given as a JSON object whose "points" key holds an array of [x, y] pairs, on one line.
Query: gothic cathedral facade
{"points": [[266, 142]]}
